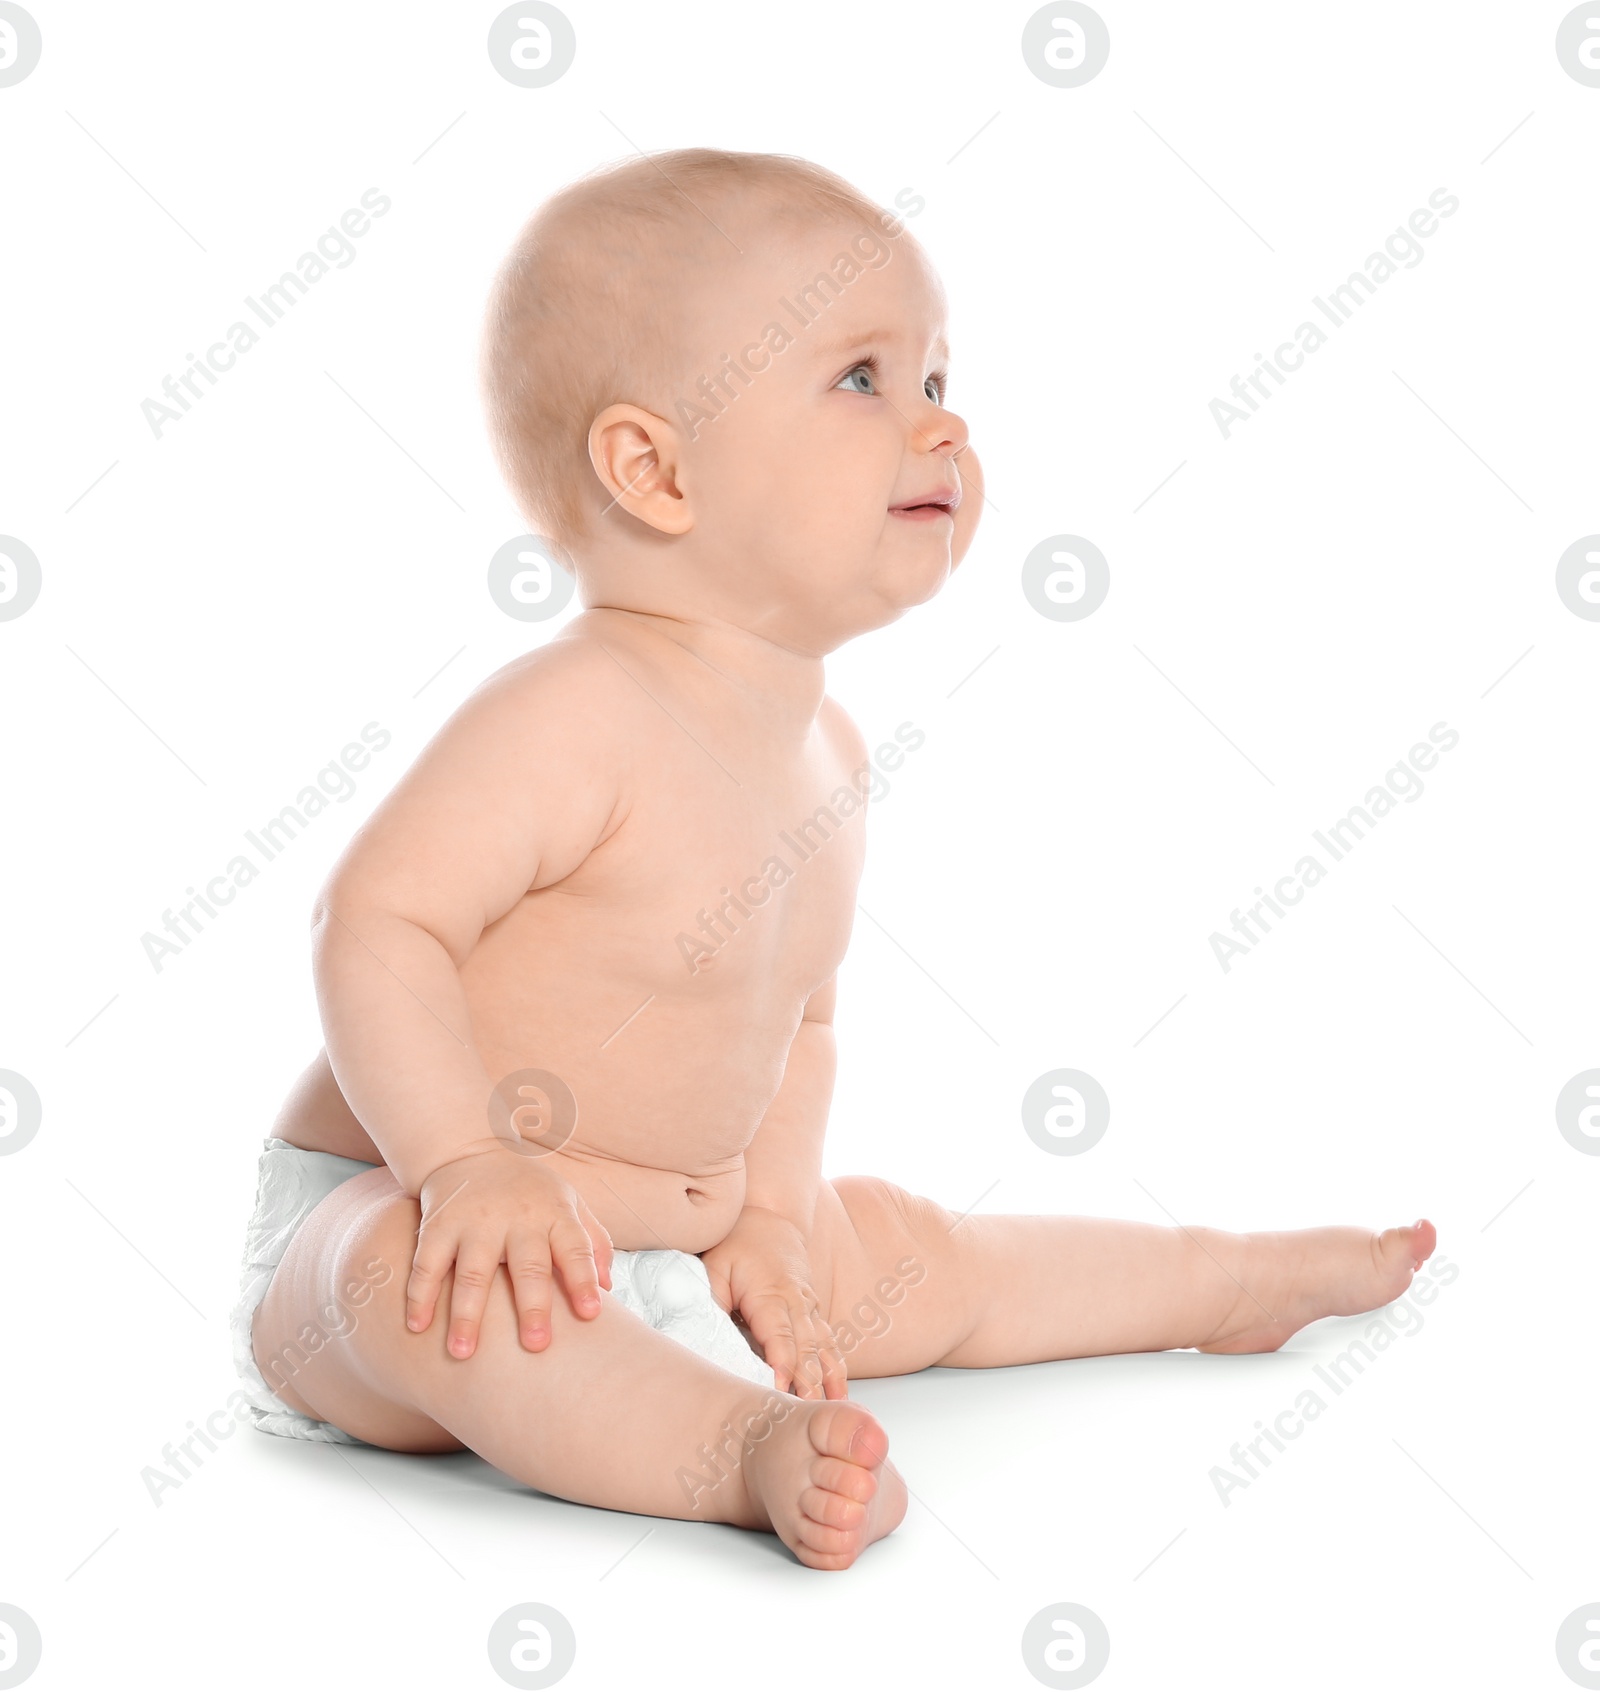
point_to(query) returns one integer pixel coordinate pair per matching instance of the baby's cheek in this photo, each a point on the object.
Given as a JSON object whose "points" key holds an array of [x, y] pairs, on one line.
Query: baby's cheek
{"points": [[971, 507]]}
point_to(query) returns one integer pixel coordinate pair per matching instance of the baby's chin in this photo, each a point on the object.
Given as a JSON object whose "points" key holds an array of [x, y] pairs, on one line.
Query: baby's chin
{"points": [[912, 578]]}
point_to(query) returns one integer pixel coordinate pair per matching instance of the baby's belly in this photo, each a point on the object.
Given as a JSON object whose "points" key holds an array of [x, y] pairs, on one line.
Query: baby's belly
{"points": [[647, 1209], [668, 1082], [667, 1078], [641, 1206]]}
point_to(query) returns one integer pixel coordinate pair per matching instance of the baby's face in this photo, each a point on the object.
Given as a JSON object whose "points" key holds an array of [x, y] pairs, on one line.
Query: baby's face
{"points": [[836, 489]]}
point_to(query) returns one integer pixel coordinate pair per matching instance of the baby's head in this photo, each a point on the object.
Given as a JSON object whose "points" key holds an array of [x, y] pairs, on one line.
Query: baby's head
{"points": [[715, 383]]}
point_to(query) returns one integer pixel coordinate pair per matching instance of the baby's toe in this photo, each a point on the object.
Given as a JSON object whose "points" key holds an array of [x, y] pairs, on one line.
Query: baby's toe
{"points": [[850, 1480], [844, 1430], [1400, 1252], [832, 1509], [830, 1542], [1423, 1238]]}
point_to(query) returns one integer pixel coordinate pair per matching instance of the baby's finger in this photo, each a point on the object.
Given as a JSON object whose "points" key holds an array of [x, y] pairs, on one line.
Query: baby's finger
{"points": [[436, 1251], [807, 1376], [808, 1367], [574, 1257], [476, 1261], [835, 1373], [600, 1240], [767, 1315], [532, 1286], [822, 1362]]}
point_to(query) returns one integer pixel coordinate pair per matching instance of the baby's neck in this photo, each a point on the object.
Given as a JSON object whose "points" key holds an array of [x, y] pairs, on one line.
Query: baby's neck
{"points": [[780, 679]]}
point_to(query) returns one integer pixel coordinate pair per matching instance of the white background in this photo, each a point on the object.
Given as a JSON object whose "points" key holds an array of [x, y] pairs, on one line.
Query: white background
{"points": [[229, 604]]}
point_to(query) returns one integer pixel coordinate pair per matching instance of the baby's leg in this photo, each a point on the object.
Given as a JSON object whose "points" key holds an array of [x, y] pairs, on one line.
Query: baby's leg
{"points": [[611, 1413], [913, 1285]]}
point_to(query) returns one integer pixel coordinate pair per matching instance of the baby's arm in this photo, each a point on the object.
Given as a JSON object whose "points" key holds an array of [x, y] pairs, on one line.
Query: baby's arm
{"points": [[762, 1268], [512, 794]]}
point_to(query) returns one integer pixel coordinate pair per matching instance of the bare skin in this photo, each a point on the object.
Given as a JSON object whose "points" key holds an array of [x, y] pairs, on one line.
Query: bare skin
{"points": [[575, 877]]}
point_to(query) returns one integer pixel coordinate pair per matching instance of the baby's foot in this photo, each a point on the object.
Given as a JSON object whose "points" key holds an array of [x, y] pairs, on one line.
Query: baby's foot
{"points": [[823, 1479], [1293, 1279]]}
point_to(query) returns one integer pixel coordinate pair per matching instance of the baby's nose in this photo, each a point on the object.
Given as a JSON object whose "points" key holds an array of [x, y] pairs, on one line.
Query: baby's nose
{"points": [[944, 431]]}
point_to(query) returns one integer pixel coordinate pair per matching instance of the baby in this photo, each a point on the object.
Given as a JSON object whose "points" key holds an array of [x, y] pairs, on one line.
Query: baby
{"points": [[553, 1189]]}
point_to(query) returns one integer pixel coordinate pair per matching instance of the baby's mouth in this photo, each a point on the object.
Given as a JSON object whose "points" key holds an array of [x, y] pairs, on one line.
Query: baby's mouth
{"points": [[930, 509]]}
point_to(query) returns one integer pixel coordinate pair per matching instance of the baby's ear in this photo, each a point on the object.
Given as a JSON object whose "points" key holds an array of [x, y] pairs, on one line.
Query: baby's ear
{"points": [[636, 455]]}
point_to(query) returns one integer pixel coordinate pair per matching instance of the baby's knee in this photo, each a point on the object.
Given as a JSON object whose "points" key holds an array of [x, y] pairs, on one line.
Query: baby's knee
{"points": [[900, 1238], [885, 1215], [365, 1286], [898, 1242]]}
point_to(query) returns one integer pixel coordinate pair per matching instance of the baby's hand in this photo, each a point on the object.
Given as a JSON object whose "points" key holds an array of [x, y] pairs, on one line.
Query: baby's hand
{"points": [[763, 1270], [495, 1207]]}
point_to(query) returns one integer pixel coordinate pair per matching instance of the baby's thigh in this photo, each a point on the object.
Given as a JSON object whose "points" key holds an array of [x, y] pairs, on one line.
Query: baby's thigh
{"points": [[886, 1268], [330, 1333]]}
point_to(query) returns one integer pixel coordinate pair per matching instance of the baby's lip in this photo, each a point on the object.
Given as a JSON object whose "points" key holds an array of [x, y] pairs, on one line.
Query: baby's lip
{"points": [[945, 498]]}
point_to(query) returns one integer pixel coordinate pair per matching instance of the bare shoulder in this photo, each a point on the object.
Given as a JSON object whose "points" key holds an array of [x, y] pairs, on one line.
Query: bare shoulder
{"points": [[576, 676], [528, 776], [570, 714]]}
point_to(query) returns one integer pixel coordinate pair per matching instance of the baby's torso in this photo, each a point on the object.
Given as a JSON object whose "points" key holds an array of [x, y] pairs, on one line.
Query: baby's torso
{"points": [[662, 981]]}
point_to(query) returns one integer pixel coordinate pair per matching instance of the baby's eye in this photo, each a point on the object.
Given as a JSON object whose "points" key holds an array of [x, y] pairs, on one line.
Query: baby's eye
{"points": [[931, 389], [858, 380]]}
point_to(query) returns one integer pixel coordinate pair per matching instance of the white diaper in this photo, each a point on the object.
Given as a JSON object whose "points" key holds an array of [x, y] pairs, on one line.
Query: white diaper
{"points": [[670, 1290]]}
